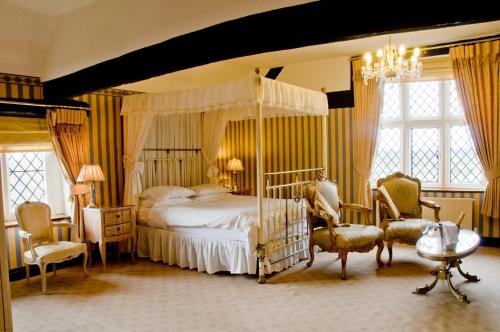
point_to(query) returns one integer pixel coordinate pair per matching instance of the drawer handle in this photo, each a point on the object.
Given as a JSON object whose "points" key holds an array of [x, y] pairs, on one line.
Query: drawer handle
{"points": [[118, 229]]}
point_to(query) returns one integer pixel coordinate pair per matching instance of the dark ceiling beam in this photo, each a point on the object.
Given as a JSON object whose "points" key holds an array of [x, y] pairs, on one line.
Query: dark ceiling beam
{"points": [[274, 72], [292, 27]]}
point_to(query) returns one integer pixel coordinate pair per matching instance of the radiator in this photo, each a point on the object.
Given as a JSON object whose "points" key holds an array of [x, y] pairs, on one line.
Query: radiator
{"points": [[450, 209]]}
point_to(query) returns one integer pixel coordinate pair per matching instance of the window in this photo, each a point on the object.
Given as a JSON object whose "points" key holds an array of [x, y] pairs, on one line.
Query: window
{"points": [[423, 133], [27, 176]]}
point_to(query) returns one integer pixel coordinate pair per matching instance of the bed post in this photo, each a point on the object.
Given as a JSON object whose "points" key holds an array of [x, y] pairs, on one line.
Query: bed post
{"points": [[324, 124], [261, 249]]}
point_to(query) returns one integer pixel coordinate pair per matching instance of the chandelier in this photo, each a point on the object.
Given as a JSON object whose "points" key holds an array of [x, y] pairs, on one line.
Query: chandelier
{"points": [[391, 64]]}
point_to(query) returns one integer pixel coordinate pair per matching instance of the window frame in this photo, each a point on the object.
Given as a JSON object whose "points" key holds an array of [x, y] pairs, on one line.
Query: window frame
{"points": [[444, 121], [10, 216]]}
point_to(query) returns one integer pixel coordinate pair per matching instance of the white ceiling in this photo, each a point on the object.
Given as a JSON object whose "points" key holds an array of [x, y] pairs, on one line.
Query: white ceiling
{"points": [[53, 38], [328, 63], [52, 7]]}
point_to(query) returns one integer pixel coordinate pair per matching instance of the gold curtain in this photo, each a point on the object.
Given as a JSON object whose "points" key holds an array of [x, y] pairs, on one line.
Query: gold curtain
{"points": [[366, 115], [476, 72], [69, 133]]}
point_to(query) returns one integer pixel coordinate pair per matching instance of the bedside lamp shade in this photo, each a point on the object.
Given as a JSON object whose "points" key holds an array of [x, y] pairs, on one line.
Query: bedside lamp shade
{"points": [[234, 165], [91, 173]]}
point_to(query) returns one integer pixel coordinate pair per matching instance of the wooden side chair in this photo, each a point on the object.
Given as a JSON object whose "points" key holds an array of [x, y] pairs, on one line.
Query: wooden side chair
{"points": [[400, 211], [35, 228], [324, 217]]}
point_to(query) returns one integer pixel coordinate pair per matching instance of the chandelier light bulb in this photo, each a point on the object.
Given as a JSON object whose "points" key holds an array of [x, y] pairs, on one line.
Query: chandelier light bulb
{"points": [[390, 64], [368, 58]]}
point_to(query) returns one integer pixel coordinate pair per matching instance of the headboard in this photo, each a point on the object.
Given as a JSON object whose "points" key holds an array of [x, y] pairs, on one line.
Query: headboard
{"points": [[174, 167], [172, 153]]}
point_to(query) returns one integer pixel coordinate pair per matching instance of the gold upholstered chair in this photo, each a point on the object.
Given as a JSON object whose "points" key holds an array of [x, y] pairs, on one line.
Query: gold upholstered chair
{"points": [[36, 230], [400, 209], [324, 218]]}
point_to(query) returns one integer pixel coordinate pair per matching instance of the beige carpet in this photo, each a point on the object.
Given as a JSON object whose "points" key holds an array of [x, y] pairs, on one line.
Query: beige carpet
{"points": [[155, 297]]}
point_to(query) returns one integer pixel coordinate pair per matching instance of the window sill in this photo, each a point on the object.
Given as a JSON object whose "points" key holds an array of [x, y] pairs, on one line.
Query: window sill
{"points": [[448, 190], [10, 223]]}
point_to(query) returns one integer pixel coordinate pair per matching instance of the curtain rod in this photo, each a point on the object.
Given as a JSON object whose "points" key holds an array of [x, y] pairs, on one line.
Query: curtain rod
{"points": [[445, 46], [41, 104], [168, 150]]}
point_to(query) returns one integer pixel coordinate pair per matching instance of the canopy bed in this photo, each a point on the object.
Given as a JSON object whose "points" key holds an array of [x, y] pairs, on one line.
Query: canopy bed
{"points": [[172, 139]]}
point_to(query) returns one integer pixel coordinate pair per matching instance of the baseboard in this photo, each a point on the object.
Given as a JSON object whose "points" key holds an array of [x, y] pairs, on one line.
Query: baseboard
{"points": [[490, 241], [20, 272]]}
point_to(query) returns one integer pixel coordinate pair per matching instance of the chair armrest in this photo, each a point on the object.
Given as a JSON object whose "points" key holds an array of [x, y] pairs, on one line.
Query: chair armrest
{"points": [[61, 224], [357, 207], [432, 205], [28, 238], [361, 209]]}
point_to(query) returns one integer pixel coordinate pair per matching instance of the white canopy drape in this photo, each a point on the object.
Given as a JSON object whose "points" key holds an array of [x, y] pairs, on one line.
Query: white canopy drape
{"points": [[233, 100]]}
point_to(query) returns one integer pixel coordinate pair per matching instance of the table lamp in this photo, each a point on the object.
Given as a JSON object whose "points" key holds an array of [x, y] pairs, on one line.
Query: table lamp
{"points": [[234, 165], [91, 173]]}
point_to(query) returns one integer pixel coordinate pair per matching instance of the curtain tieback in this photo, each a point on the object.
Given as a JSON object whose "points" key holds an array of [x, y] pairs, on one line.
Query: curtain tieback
{"points": [[492, 174], [212, 171], [138, 167], [364, 172]]}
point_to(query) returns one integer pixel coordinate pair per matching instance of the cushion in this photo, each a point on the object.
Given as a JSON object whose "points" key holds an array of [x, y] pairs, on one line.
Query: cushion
{"points": [[351, 237], [208, 189], [55, 251], [408, 228], [162, 192], [391, 207], [328, 191], [404, 193]]}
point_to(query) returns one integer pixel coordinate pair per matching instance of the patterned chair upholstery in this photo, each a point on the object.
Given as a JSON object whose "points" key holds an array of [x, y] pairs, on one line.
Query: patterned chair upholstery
{"points": [[324, 218], [35, 228], [400, 213]]}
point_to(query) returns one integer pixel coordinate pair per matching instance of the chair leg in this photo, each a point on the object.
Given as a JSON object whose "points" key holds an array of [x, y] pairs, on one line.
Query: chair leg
{"points": [[54, 268], [389, 248], [27, 274], [343, 256], [85, 256], [311, 254], [380, 245], [43, 272]]}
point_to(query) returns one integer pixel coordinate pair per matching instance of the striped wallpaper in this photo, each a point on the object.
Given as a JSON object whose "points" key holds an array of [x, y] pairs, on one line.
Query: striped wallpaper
{"points": [[106, 143], [106, 146], [295, 142]]}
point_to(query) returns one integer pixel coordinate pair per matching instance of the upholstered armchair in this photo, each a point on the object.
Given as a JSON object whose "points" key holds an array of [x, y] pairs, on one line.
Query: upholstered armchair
{"points": [[400, 211], [36, 231], [326, 229]]}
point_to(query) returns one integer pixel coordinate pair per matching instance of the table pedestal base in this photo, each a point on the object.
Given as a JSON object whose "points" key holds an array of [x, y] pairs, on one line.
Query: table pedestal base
{"points": [[443, 272]]}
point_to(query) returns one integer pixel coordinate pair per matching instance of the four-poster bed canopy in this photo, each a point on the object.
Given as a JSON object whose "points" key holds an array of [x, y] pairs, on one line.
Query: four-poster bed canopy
{"points": [[252, 97]]}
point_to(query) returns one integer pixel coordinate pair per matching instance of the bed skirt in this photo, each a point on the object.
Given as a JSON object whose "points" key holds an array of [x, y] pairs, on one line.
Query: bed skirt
{"points": [[205, 254]]}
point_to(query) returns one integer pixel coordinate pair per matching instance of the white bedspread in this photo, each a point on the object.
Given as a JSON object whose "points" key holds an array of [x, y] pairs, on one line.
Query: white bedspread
{"points": [[229, 212]]}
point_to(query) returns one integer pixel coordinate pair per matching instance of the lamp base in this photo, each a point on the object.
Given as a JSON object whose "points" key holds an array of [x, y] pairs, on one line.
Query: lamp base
{"points": [[92, 205]]}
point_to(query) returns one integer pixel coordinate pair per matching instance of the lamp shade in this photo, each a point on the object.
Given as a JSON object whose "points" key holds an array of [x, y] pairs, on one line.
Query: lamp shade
{"points": [[234, 165], [90, 173]]}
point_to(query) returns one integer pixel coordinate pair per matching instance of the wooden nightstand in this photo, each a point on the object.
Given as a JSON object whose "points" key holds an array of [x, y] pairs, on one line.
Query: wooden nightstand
{"points": [[109, 224], [242, 191]]}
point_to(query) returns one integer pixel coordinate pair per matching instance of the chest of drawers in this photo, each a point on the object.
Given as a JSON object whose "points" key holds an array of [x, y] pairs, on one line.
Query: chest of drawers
{"points": [[109, 224]]}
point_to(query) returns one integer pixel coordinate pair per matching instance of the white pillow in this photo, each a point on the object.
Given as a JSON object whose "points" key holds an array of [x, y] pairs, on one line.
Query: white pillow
{"points": [[209, 189], [165, 201], [163, 192], [210, 198]]}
